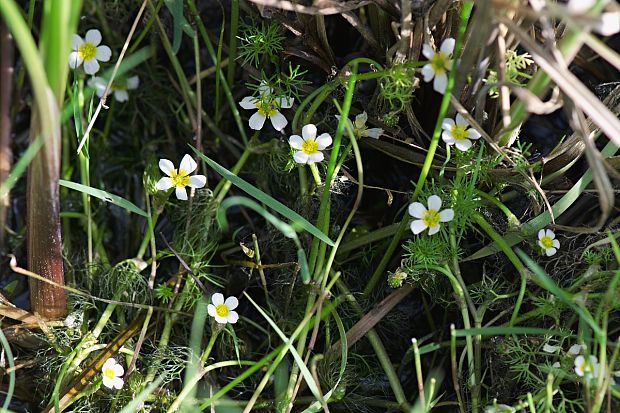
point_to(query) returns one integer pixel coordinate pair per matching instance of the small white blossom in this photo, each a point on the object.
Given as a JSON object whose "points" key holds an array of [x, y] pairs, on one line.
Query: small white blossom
{"points": [[112, 374], [360, 129], [429, 218], [119, 87], [440, 64], [607, 24], [89, 52], [458, 133], [548, 348], [575, 349], [308, 145], [268, 106], [587, 367], [222, 310], [179, 178], [547, 241]]}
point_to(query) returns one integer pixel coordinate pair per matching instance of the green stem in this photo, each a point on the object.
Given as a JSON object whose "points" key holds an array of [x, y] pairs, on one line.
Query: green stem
{"points": [[315, 174]]}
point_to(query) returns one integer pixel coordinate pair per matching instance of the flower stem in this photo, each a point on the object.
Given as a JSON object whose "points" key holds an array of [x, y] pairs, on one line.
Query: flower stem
{"points": [[315, 174]]}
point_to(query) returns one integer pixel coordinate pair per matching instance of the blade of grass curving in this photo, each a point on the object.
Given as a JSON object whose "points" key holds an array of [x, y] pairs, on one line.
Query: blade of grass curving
{"points": [[105, 196], [316, 406], [543, 280], [288, 342], [297, 221], [135, 405], [544, 219], [179, 24], [499, 331], [11, 361], [286, 229]]}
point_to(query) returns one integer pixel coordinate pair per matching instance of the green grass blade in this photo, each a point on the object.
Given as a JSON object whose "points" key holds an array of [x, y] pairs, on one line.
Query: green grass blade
{"points": [[297, 221], [135, 405], [500, 331], [105, 196]]}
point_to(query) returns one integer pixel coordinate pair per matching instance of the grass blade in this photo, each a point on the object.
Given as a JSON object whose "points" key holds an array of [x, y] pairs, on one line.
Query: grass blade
{"points": [[105, 196]]}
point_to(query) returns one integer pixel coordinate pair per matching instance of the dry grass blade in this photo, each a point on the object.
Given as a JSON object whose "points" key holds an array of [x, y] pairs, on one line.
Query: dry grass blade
{"points": [[325, 7]]}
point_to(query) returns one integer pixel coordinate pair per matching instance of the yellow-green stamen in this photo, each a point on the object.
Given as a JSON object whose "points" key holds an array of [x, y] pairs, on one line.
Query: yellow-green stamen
{"points": [[309, 146], [222, 310], [266, 109], [440, 62], [109, 373], [546, 242], [87, 51], [179, 179], [460, 132], [431, 218]]}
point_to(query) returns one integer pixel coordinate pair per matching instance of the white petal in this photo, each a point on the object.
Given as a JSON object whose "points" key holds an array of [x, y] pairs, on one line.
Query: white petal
{"points": [[360, 120], [308, 131], [440, 83], [579, 6], [181, 193], [428, 51], [93, 36], [188, 164], [76, 41], [295, 141], [541, 233], [324, 140], [448, 46], [91, 67], [117, 383], [108, 382], [197, 181], [548, 348], [418, 226], [447, 137], [121, 95], [231, 302], [109, 363], [264, 89], [556, 365], [99, 84], [416, 210], [463, 144], [433, 230], [316, 157], [447, 124], [133, 82], [248, 102], [118, 370], [164, 184], [428, 73], [257, 121], [278, 121], [460, 120], [103, 53], [373, 133], [574, 349], [285, 102], [217, 299], [74, 60], [434, 202], [166, 166], [550, 251], [446, 215], [609, 25], [220, 320], [211, 310], [300, 157], [579, 365], [556, 243], [474, 134], [232, 317], [550, 234]]}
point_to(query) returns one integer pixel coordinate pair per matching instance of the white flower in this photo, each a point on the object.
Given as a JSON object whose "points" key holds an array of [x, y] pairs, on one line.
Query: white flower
{"points": [[547, 241], [457, 132], [119, 87], [267, 105], [575, 349], [112, 373], [222, 310], [429, 218], [440, 64], [586, 367], [89, 52], [180, 178], [548, 348], [360, 129], [606, 24], [309, 147]]}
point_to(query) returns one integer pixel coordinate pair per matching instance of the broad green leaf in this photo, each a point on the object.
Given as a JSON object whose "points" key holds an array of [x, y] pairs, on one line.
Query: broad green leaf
{"points": [[297, 221], [105, 196]]}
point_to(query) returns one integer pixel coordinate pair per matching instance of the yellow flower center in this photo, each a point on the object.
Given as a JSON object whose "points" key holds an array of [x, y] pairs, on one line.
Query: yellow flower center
{"points": [[180, 179], [440, 62], [109, 373], [266, 109], [222, 310], [460, 132], [431, 218], [87, 51], [309, 146], [546, 242]]}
